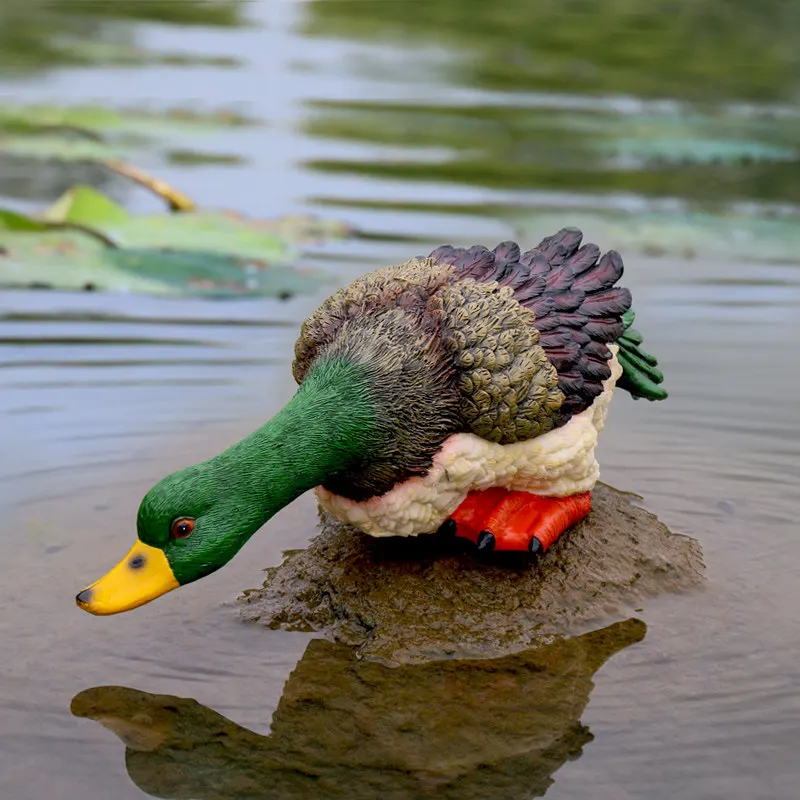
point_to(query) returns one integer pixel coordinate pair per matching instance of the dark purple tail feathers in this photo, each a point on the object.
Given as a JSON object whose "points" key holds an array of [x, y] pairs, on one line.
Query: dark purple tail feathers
{"points": [[572, 291]]}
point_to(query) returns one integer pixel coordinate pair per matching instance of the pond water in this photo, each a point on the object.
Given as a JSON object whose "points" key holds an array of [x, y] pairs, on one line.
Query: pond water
{"points": [[417, 123]]}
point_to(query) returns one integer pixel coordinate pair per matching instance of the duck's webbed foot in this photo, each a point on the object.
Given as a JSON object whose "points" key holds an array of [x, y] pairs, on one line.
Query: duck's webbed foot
{"points": [[503, 520]]}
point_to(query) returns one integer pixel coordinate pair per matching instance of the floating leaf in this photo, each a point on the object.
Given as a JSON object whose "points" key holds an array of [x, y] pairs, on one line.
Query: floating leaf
{"points": [[684, 149], [171, 123], [85, 240], [84, 205], [686, 136], [729, 236], [70, 260], [188, 158], [66, 260], [92, 52], [94, 133], [11, 221], [636, 149], [209, 231], [66, 147]]}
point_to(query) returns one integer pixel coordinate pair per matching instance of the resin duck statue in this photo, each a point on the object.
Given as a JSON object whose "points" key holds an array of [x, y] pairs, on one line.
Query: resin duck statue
{"points": [[461, 393]]}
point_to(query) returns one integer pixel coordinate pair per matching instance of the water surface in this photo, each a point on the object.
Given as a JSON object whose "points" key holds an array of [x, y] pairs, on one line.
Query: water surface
{"points": [[424, 123]]}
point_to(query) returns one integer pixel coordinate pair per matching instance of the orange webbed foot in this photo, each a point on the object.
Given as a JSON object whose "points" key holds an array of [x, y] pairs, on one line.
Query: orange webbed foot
{"points": [[502, 520]]}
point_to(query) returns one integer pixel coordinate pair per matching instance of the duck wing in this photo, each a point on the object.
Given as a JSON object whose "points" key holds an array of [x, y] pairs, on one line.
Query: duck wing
{"points": [[579, 310], [499, 343]]}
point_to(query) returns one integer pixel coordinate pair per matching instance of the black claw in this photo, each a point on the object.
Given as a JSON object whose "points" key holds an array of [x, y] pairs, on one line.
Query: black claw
{"points": [[486, 542], [447, 529], [535, 547]]}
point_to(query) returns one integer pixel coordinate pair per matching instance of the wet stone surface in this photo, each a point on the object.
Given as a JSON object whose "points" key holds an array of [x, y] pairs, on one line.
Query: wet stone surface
{"points": [[413, 600]]}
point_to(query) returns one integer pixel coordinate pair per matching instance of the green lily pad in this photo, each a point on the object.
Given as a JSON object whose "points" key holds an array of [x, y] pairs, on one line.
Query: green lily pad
{"points": [[687, 136], [84, 205], [66, 147], [214, 274], [66, 260], [696, 150], [49, 252], [173, 123], [209, 231], [94, 133], [93, 52], [70, 260], [190, 158], [11, 221], [728, 236]]}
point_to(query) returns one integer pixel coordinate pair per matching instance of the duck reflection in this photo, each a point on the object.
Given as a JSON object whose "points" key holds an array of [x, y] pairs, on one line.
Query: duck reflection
{"points": [[346, 728]]}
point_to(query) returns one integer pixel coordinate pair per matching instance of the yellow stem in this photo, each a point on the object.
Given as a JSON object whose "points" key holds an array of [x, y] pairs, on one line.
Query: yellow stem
{"points": [[176, 200]]}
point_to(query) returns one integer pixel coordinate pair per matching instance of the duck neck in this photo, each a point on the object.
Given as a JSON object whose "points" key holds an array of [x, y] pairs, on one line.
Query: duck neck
{"points": [[328, 426]]}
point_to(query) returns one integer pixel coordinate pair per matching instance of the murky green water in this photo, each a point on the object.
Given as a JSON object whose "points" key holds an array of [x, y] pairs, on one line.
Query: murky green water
{"points": [[419, 123]]}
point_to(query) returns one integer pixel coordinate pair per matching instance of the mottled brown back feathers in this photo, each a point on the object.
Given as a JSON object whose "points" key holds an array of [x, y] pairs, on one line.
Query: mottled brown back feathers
{"points": [[502, 344], [571, 291]]}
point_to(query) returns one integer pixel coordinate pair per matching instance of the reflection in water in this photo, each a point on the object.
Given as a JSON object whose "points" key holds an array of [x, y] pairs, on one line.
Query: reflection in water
{"points": [[29, 179], [462, 729], [690, 49], [648, 128], [37, 35], [505, 112], [40, 34], [650, 151]]}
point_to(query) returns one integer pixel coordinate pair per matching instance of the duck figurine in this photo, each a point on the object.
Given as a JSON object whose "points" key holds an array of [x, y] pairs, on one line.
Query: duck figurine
{"points": [[461, 393]]}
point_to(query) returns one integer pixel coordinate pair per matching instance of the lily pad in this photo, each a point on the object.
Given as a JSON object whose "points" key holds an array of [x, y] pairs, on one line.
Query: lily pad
{"points": [[84, 205], [84, 242], [66, 260], [11, 221], [101, 119], [189, 158], [95, 133], [729, 235], [263, 241], [64, 147], [92, 52], [71, 260], [687, 136]]}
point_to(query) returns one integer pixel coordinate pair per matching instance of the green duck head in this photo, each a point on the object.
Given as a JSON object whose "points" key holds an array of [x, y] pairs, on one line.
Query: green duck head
{"points": [[194, 521], [370, 411], [189, 525]]}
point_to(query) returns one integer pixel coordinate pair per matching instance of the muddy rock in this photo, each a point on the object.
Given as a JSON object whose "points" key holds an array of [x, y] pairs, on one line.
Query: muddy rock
{"points": [[412, 600]]}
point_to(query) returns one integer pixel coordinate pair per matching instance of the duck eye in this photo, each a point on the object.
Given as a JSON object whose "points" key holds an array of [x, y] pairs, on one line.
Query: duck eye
{"points": [[182, 528]]}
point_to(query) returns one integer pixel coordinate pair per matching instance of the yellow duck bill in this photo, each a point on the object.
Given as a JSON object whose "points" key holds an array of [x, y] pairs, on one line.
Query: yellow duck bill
{"points": [[143, 575]]}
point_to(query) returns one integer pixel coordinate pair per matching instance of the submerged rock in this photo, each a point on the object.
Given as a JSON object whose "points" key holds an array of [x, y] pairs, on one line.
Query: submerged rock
{"points": [[413, 600], [349, 728]]}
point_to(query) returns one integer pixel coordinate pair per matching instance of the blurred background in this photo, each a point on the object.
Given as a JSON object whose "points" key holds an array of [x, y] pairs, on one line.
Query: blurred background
{"points": [[325, 138]]}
